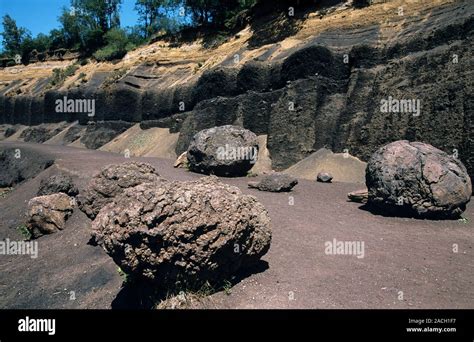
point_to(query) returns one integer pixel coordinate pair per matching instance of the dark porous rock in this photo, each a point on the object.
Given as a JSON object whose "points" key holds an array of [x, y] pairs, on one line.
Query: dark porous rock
{"points": [[20, 164], [73, 133], [9, 131], [223, 151], [58, 183], [324, 177], [48, 214], [111, 182], [275, 182], [42, 133], [100, 133], [183, 234], [416, 179]]}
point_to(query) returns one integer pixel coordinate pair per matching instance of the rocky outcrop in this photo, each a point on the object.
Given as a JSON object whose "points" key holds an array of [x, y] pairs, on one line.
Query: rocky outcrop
{"points": [[275, 182], [41, 133], [183, 234], [73, 133], [112, 181], [99, 134], [223, 151], [18, 165], [48, 214], [416, 179], [60, 182], [9, 131]]}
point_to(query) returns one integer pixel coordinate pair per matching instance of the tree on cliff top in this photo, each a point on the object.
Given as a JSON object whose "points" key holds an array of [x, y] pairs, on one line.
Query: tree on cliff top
{"points": [[13, 36]]}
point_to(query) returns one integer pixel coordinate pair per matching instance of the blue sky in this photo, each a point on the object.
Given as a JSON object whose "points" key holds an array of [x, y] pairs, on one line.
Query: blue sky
{"points": [[40, 16]]}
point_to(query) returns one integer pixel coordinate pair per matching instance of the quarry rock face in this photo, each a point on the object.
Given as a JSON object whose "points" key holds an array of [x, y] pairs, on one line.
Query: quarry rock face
{"points": [[48, 214], [223, 151], [58, 183], [275, 182], [183, 233], [416, 179], [111, 182], [303, 98]]}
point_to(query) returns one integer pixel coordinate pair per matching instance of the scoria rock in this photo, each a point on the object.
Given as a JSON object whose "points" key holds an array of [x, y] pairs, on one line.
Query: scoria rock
{"points": [[183, 233], [416, 179], [48, 214], [111, 182], [223, 151]]}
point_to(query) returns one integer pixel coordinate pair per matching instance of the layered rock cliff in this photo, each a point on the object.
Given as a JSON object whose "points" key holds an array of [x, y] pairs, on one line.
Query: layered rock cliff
{"points": [[324, 86]]}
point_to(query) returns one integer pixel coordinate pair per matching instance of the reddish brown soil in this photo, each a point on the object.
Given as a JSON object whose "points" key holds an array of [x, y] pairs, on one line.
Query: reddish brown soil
{"points": [[401, 254]]}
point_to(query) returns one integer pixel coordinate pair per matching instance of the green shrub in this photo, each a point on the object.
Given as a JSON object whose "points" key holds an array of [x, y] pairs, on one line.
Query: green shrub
{"points": [[109, 53], [60, 75], [25, 233], [117, 46]]}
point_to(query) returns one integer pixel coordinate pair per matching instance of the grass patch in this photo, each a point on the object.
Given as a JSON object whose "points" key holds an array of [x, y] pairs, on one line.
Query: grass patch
{"points": [[126, 278], [227, 287], [25, 233], [5, 191]]}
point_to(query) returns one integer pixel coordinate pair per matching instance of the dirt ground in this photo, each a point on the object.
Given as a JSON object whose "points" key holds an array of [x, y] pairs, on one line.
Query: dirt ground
{"points": [[407, 263]]}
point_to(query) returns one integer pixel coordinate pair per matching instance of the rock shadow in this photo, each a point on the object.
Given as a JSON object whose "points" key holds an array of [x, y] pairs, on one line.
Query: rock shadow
{"points": [[141, 295], [404, 212]]}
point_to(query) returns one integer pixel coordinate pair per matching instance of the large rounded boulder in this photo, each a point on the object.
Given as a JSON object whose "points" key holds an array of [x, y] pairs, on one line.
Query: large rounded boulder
{"points": [[111, 182], [418, 180], [229, 151], [183, 234]]}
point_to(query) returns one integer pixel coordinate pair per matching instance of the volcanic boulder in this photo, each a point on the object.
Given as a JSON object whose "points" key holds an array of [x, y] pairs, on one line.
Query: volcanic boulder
{"points": [[324, 177], [416, 179], [275, 182], [223, 151], [48, 214], [177, 234], [111, 182], [60, 182]]}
